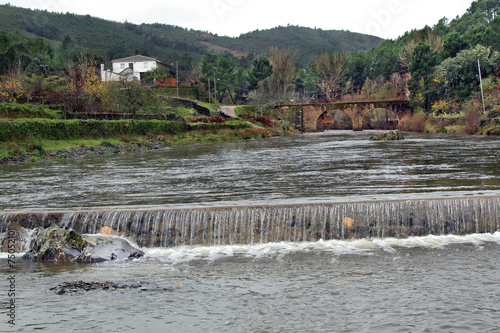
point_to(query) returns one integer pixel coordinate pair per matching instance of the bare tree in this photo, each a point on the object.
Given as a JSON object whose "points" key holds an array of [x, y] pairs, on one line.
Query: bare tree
{"points": [[283, 63], [330, 69]]}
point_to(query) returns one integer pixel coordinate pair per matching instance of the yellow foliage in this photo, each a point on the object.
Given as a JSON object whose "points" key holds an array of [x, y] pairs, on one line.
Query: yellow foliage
{"points": [[86, 82], [12, 89], [439, 106]]}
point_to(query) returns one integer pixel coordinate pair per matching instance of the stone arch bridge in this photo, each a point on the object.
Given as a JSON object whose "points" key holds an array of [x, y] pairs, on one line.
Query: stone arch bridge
{"points": [[309, 113]]}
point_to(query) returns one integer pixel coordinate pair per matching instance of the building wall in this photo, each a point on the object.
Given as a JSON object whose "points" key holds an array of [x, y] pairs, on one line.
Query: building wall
{"points": [[138, 67]]}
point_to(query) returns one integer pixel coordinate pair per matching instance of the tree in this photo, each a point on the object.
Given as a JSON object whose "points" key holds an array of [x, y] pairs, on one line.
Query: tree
{"points": [[424, 36], [12, 87], [330, 70], [66, 46], [261, 69], [488, 9], [208, 66], [86, 90], [279, 87], [158, 73], [225, 76], [423, 87], [452, 44], [16, 57], [357, 68], [369, 88], [134, 96], [477, 34], [384, 60], [283, 64], [442, 27], [241, 88], [459, 75]]}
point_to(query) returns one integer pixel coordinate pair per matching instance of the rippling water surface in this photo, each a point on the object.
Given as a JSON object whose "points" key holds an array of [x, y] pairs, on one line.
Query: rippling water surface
{"points": [[321, 165], [425, 284]]}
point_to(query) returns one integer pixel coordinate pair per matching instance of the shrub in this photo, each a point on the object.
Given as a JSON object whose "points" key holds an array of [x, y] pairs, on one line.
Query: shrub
{"points": [[414, 123], [472, 113], [261, 119], [494, 112], [89, 129], [207, 120], [233, 124]]}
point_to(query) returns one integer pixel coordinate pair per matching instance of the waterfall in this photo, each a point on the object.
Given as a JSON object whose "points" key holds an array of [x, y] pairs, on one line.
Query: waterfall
{"points": [[274, 223]]}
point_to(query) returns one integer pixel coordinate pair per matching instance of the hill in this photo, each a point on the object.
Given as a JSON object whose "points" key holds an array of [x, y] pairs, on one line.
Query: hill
{"points": [[168, 43]]}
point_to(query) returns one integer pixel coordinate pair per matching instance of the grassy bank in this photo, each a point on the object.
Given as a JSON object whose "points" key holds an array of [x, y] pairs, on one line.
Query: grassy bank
{"points": [[41, 143]]}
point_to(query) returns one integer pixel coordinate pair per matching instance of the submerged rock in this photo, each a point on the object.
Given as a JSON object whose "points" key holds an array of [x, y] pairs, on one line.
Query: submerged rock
{"points": [[66, 245], [79, 287], [392, 135]]}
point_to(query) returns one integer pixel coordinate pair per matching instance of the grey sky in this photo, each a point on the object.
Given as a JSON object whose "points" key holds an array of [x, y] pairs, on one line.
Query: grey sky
{"points": [[384, 18]]}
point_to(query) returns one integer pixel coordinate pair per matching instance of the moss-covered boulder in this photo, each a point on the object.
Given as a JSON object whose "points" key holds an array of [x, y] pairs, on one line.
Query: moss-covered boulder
{"points": [[66, 245], [392, 135]]}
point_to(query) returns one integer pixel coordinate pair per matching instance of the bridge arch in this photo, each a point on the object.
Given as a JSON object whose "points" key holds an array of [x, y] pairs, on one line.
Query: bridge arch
{"points": [[334, 119], [381, 119]]}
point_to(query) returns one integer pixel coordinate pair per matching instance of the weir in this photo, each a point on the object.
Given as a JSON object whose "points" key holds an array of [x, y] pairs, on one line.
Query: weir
{"points": [[273, 223]]}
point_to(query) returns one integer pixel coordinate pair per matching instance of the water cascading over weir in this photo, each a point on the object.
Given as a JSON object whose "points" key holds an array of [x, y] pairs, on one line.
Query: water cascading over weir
{"points": [[264, 224]]}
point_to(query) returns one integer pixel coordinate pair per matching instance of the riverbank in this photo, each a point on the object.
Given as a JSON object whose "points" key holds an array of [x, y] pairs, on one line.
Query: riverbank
{"points": [[42, 149]]}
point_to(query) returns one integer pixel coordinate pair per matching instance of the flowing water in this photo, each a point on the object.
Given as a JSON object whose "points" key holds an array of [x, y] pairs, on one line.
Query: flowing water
{"points": [[381, 271]]}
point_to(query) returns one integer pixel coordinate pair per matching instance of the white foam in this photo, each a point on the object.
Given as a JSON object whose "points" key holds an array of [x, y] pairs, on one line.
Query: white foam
{"points": [[5, 255], [184, 254]]}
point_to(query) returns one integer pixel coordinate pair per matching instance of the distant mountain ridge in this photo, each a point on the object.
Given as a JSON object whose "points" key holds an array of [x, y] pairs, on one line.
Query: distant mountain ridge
{"points": [[169, 43]]}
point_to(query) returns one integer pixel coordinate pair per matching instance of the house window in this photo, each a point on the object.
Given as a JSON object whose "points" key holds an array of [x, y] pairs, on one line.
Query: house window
{"points": [[145, 64], [131, 65], [122, 66]]}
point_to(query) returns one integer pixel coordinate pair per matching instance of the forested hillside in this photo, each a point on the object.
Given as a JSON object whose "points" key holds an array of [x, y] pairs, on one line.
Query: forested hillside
{"points": [[110, 40]]}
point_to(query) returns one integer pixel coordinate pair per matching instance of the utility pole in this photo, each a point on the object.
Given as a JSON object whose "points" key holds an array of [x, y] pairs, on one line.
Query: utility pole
{"points": [[177, 76], [215, 91], [481, 82], [209, 96]]}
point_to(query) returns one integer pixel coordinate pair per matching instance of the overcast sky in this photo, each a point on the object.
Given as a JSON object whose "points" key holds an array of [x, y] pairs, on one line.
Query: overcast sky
{"points": [[383, 18]]}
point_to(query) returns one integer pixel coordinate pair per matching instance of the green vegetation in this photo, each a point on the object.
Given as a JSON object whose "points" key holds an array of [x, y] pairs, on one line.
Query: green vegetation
{"points": [[89, 129], [49, 73], [13, 110]]}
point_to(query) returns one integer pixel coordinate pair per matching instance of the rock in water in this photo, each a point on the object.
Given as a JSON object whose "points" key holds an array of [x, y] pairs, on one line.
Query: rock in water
{"points": [[66, 245], [110, 248], [392, 135]]}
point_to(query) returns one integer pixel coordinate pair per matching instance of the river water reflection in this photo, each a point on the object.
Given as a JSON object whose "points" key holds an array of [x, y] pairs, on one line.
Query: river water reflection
{"points": [[329, 165]]}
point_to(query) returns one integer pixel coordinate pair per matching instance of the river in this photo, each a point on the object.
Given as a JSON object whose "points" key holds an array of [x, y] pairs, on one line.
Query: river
{"points": [[444, 283]]}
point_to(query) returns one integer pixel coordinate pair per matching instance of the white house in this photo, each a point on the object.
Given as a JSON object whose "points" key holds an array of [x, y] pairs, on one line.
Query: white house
{"points": [[132, 67]]}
